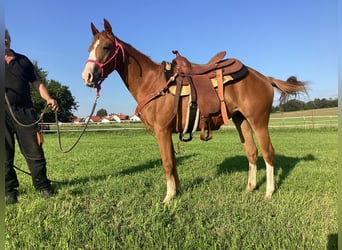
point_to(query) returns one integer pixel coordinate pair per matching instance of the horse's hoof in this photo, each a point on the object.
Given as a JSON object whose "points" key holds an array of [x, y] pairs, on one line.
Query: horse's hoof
{"points": [[167, 199], [250, 188], [268, 195]]}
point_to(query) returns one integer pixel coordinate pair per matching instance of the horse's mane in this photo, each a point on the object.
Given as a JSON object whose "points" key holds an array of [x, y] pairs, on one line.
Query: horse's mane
{"points": [[134, 51], [138, 56]]}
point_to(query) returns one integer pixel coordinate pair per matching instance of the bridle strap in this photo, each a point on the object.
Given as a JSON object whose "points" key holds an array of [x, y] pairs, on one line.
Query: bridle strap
{"points": [[154, 95], [118, 46]]}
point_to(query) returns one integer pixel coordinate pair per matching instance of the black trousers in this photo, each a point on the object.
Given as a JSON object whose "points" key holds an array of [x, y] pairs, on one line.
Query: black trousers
{"points": [[31, 150]]}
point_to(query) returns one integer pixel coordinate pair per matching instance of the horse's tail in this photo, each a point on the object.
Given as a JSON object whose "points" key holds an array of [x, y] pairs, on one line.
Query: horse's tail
{"points": [[292, 87]]}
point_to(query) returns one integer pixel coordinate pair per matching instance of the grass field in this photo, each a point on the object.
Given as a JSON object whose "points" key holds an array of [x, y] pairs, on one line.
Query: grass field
{"points": [[310, 112], [314, 118], [111, 186]]}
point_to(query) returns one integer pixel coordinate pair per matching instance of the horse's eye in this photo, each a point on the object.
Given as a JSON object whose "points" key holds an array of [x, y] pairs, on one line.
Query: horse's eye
{"points": [[106, 48]]}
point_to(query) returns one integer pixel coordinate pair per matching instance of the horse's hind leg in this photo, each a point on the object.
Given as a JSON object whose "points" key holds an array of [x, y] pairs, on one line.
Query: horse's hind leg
{"points": [[265, 144], [246, 137]]}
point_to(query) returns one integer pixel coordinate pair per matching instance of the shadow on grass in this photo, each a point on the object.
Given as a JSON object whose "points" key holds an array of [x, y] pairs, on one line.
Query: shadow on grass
{"points": [[152, 164], [128, 171], [283, 165], [78, 181], [332, 242]]}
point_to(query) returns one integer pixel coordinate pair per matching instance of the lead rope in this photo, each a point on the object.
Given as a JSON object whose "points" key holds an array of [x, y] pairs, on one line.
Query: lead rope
{"points": [[58, 131], [84, 129], [57, 124], [20, 123]]}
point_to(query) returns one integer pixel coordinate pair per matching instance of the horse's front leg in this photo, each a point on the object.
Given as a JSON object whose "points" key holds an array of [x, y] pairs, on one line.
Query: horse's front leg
{"points": [[164, 138]]}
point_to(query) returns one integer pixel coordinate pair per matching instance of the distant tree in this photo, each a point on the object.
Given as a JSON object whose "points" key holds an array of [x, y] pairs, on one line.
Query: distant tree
{"points": [[292, 105], [275, 109], [322, 103], [334, 102], [101, 112], [310, 105], [62, 94]]}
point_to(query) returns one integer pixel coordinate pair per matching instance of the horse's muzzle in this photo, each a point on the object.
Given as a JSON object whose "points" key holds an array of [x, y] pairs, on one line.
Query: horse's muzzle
{"points": [[90, 80]]}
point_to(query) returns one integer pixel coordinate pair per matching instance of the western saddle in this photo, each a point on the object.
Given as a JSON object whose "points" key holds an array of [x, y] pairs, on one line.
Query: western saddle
{"points": [[205, 98]]}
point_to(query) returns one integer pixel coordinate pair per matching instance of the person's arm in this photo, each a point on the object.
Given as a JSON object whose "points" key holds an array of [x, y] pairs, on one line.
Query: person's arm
{"points": [[40, 87]]}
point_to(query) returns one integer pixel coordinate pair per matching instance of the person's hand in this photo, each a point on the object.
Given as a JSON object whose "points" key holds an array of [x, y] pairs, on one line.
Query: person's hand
{"points": [[52, 103]]}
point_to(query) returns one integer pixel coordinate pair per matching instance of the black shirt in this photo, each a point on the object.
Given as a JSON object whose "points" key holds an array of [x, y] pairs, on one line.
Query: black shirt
{"points": [[18, 74]]}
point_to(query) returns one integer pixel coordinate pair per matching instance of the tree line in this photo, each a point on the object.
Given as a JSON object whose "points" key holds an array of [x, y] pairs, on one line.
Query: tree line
{"points": [[295, 105]]}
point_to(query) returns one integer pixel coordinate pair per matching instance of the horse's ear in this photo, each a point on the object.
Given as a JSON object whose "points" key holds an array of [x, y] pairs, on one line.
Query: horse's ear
{"points": [[107, 26], [93, 29]]}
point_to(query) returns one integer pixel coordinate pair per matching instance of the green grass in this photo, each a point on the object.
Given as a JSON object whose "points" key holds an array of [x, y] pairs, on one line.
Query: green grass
{"points": [[111, 186]]}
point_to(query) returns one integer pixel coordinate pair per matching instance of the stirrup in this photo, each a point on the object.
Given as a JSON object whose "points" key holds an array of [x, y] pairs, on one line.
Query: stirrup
{"points": [[181, 137]]}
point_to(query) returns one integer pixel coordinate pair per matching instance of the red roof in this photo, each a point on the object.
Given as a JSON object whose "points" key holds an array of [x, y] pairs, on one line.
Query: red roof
{"points": [[122, 116], [96, 118]]}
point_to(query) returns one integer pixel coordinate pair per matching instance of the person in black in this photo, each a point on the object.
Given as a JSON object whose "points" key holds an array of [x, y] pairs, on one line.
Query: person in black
{"points": [[19, 73]]}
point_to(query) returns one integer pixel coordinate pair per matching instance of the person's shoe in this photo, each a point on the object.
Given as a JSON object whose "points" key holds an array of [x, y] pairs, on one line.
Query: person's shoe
{"points": [[47, 192], [11, 198]]}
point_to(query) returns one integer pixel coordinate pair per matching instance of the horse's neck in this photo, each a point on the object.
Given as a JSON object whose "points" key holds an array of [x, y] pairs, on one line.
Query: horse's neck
{"points": [[141, 75]]}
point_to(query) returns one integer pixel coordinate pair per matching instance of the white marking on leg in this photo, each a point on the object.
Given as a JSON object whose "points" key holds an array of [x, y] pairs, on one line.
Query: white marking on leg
{"points": [[269, 180], [252, 172], [171, 190]]}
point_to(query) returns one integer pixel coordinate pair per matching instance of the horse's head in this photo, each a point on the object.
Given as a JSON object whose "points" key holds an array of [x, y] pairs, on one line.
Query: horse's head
{"points": [[103, 56]]}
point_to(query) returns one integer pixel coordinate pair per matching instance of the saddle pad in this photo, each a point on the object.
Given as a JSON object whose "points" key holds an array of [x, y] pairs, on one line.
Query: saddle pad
{"points": [[186, 89]]}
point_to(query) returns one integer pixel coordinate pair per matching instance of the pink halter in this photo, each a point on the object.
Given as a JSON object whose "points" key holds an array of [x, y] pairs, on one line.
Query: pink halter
{"points": [[118, 46]]}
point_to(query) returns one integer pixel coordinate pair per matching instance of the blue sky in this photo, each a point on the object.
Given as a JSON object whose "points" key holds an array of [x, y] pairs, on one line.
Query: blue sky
{"points": [[277, 38]]}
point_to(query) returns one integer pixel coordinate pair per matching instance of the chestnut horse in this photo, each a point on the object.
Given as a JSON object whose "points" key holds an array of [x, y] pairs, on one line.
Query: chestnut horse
{"points": [[248, 103]]}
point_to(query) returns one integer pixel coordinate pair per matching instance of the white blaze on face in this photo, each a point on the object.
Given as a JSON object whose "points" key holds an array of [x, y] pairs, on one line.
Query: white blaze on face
{"points": [[89, 68]]}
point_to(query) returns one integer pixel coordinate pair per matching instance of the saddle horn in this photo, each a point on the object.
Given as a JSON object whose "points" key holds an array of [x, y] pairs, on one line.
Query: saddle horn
{"points": [[183, 66]]}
